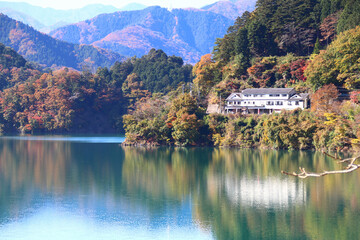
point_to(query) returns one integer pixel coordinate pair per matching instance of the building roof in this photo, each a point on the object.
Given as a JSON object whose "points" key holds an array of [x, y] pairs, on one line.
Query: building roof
{"points": [[234, 96], [304, 95], [300, 96], [267, 90]]}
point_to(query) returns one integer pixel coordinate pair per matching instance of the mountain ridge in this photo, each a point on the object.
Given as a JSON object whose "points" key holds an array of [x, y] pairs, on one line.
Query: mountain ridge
{"points": [[47, 19], [188, 33], [231, 9]]}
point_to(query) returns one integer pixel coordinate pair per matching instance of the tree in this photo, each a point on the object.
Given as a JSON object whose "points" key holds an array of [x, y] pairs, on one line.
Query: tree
{"points": [[316, 47], [161, 73], [205, 72], [261, 42], [338, 64], [328, 28], [185, 118], [132, 85], [350, 16], [323, 99]]}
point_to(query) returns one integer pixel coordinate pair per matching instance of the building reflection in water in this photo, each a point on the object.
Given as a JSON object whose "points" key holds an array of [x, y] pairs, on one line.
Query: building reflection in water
{"points": [[273, 192]]}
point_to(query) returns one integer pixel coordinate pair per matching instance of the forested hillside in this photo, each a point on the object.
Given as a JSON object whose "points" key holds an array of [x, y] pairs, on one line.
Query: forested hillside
{"points": [[288, 27], [273, 46], [49, 52], [313, 46], [71, 101]]}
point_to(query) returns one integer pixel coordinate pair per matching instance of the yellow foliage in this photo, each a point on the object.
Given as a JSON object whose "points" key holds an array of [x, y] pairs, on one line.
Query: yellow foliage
{"points": [[331, 119]]}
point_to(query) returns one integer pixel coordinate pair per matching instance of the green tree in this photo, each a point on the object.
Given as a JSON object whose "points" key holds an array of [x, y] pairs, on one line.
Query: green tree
{"points": [[350, 16], [338, 64], [317, 47], [185, 118]]}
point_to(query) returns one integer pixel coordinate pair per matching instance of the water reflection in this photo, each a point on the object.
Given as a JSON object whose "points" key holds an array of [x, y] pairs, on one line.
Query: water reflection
{"points": [[269, 193], [102, 191], [87, 139]]}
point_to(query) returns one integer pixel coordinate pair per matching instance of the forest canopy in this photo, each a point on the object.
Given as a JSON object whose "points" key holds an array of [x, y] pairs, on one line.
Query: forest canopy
{"points": [[66, 100]]}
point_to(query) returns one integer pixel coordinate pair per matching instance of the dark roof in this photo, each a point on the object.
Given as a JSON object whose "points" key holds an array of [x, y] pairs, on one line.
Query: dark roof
{"points": [[267, 91]]}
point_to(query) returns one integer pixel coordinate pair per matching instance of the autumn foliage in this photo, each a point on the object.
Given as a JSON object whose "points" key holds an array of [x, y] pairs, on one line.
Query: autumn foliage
{"points": [[324, 99], [59, 101]]}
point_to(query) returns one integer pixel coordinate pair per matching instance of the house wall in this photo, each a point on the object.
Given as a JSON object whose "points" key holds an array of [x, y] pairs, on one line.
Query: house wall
{"points": [[264, 103], [274, 103]]}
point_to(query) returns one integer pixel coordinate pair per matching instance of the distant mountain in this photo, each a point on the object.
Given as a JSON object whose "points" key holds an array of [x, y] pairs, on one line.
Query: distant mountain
{"points": [[49, 17], [47, 51], [231, 9], [27, 19], [189, 33], [22, 17]]}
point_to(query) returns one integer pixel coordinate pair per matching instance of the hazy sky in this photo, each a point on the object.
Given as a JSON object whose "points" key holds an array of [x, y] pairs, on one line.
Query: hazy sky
{"points": [[71, 4]]}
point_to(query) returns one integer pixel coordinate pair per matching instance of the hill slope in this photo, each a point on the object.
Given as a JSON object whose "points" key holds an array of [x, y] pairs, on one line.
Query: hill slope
{"points": [[9, 58], [47, 51], [22, 17], [188, 33]]}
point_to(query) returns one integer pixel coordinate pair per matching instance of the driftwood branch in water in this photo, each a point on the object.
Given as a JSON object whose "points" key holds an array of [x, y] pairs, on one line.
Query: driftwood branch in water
{"points": [[349, 168]]}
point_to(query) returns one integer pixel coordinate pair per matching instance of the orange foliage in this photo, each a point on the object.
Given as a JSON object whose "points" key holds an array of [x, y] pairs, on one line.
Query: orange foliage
{"points": [[324, 99], [52, 100]]}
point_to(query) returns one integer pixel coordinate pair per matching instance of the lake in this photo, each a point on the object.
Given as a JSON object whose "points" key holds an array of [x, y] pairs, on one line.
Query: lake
{"points": [[59, 187]]}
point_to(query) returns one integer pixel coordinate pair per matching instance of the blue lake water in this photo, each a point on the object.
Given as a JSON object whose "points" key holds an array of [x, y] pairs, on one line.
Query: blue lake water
{"points": [[64, 187]]}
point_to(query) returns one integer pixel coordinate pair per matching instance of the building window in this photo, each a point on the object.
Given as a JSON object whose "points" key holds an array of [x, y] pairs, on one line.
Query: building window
{"points": [[274, 95], [255, 95], [284, 95], [289, 103], [279, 103], [270, 103], [297, 103]]}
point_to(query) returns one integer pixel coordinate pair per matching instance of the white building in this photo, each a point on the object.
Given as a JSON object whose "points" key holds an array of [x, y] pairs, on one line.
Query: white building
{"points": [[266, 100]]}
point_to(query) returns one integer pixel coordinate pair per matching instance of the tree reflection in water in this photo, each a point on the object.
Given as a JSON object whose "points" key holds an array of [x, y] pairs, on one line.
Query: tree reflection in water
{"points": [[236, 194]]}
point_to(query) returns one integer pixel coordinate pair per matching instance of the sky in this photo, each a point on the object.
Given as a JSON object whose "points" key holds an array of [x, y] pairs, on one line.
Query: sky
{"points": [[72, 4]]}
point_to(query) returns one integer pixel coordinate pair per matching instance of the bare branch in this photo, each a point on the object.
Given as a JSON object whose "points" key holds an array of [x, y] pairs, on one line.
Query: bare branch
{"points": [[349, 168], [334, 157]]}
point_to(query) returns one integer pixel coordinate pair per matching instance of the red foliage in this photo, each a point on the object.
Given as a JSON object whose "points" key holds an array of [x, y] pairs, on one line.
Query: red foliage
{"points": [[297, 69], [328, 28], [355, 97]]}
